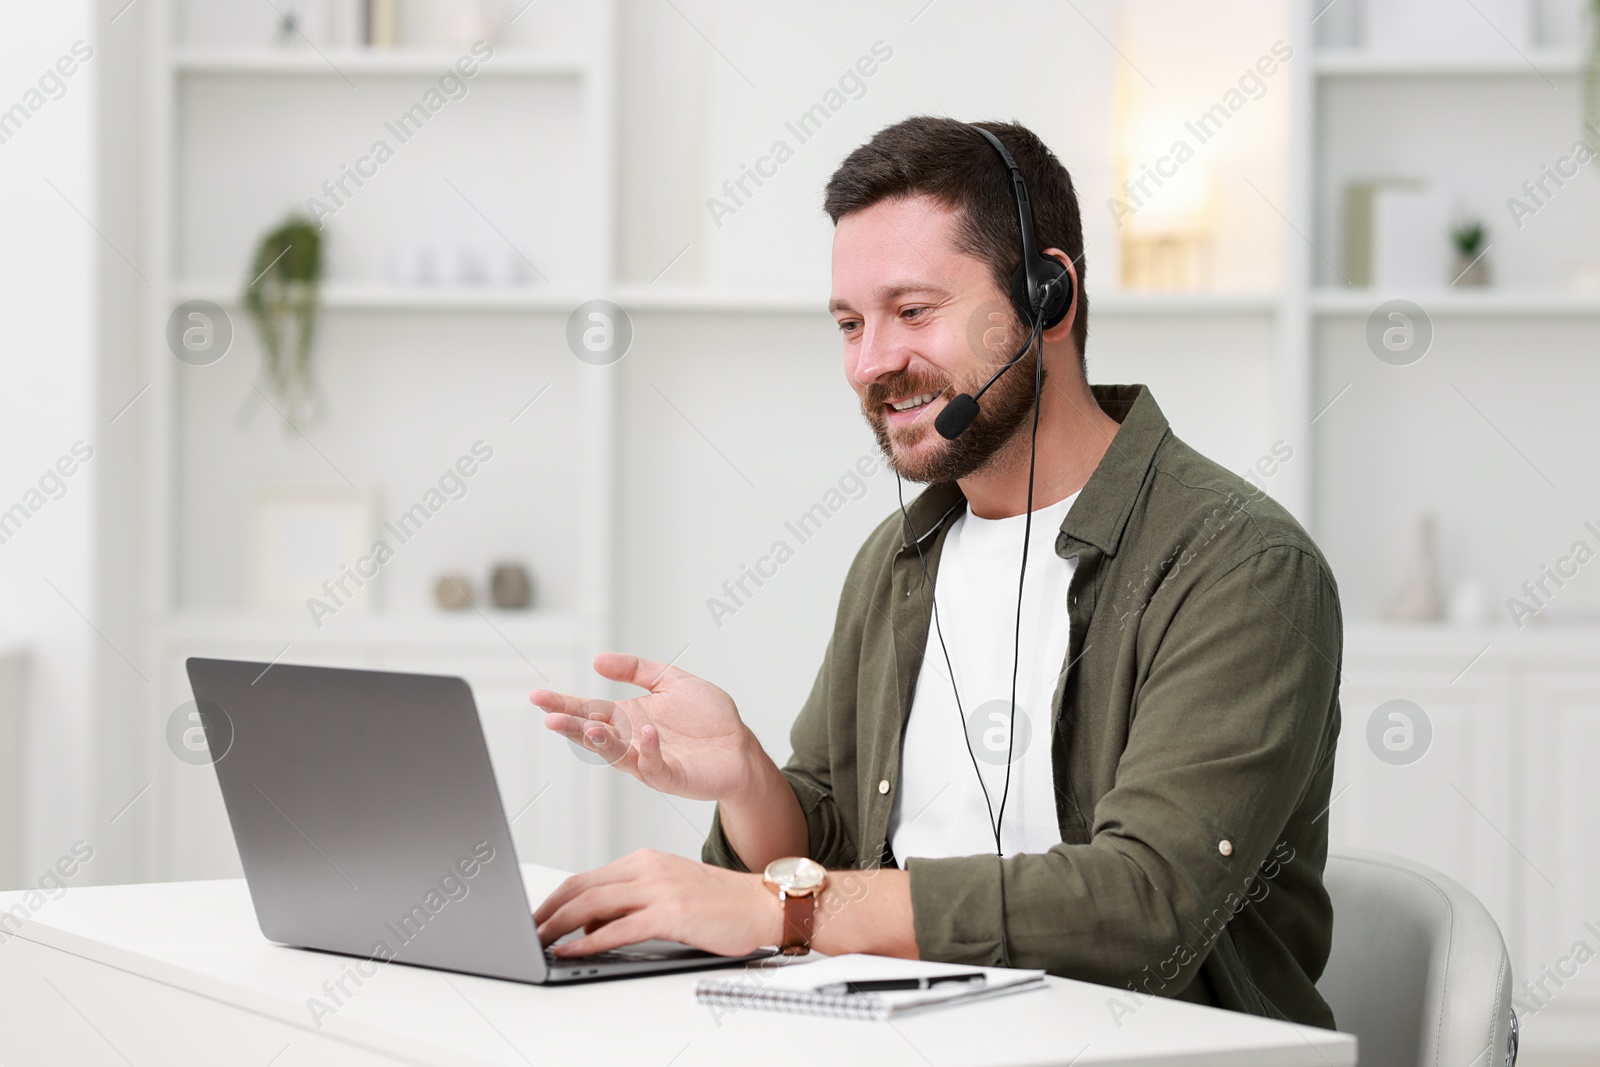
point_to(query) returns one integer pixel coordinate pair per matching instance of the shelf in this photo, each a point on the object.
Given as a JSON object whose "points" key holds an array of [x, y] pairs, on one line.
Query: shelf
{"points": [[344, 296], [698, 298], [1499, 642], [1204, 304], [1491, 302], [347, 61], [292, 626], [1532, 62], [347, 296]]}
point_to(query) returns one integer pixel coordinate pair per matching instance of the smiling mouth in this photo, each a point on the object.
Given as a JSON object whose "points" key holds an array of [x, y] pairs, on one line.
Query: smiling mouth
{"points": [[911, 403]]}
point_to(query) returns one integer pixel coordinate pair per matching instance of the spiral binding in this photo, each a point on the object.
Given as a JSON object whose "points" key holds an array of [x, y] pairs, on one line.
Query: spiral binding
{"points": [[797, 1001]]}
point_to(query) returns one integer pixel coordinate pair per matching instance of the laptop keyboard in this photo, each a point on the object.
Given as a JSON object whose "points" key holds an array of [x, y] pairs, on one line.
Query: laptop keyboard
{"points": [[616, 955]]}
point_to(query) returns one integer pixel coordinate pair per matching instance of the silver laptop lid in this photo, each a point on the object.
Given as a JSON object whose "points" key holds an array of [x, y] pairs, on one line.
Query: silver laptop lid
{"points": [[367, 815]]}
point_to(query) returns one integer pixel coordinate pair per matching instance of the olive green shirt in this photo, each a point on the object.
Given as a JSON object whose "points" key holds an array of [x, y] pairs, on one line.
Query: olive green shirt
{"points": [[1196, 713]]}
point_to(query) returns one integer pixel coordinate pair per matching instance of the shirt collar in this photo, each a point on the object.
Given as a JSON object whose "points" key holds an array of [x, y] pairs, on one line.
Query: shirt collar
{"points": [[1100, 514]]}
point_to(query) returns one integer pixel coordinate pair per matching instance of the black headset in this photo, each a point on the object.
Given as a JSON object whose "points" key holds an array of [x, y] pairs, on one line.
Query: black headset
{"points": [[1041, 294]]}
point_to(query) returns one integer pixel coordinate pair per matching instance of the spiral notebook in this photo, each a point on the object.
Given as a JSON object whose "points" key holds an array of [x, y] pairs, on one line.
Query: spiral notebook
{"points": [[793, 988]]}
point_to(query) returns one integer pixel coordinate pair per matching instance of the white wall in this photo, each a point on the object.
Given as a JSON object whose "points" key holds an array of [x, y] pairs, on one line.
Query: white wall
{"points": [[48, 593]]}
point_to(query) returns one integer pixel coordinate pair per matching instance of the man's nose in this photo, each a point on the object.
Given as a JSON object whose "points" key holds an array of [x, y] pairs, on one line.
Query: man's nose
{"points": [[878, 355]]}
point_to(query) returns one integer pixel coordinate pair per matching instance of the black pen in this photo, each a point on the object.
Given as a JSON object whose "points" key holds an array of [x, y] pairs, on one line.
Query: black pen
{"points": [[893, 985]]}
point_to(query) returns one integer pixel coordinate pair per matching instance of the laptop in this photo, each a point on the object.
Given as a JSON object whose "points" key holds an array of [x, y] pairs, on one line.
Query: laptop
{"points": [[369, 823]]}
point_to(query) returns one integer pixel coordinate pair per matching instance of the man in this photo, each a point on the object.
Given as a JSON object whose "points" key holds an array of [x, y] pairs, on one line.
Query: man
{"points": [[1148, 812]]}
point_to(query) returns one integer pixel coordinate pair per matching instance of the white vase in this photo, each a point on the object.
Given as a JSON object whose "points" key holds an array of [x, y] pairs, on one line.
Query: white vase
{"points": [[1418, 598]]}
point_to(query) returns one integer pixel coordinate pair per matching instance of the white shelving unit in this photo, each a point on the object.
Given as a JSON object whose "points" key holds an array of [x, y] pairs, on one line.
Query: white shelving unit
{"points": [[182, 832], [1492, 801], [173, 64], [1476, 127]]}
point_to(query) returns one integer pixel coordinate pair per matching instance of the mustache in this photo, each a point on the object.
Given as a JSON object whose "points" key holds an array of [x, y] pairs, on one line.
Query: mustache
{"points": [[903, 385]]}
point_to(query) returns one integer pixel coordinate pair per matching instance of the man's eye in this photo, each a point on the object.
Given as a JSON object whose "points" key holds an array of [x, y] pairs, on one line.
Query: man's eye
{"points": [[846, 325], [910, 312]]}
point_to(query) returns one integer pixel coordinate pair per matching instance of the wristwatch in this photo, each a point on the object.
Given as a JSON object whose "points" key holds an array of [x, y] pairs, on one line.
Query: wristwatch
{"points": [[798, 882]]}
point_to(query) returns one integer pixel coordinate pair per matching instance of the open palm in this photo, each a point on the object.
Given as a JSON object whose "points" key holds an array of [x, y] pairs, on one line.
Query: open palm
{"points": [[684, 736]]}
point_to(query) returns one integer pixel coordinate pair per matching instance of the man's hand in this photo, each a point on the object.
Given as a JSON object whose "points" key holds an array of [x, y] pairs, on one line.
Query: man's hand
{"points": [[651, 894], [683, 737]]}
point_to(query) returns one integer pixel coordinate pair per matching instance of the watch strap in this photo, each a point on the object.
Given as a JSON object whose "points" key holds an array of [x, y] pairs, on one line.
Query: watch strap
{"points": [[798, 915]]}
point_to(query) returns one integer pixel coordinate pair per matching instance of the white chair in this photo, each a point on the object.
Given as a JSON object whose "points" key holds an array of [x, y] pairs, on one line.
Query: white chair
{"points": [[1418, 971]]}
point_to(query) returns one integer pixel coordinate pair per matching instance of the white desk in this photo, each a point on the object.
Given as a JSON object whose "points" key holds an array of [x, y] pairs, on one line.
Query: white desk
{"points": [[178, 973]]}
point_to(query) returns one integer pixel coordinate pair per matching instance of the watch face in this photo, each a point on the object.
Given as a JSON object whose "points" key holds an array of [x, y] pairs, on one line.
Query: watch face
{"points": [[796, 872]]}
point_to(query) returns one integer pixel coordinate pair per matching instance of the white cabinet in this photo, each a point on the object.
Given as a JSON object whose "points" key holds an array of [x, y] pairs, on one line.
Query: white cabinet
{"points": [[1560, 807], [1504, 798], [1450, 806]]}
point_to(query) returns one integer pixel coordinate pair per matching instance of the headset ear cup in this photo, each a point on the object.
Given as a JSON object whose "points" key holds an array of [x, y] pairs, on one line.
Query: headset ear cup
{"points": [[1055, 308]]}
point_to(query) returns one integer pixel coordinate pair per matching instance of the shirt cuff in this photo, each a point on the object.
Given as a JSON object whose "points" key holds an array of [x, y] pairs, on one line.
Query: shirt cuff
{"points": [[956, 909], [716, 851]]}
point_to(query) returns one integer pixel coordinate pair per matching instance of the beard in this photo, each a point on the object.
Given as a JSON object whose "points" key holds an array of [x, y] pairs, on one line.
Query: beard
{"points": [[1001, 414]]}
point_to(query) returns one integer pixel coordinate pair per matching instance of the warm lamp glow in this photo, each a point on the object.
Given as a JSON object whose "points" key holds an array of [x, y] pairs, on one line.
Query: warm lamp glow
{"points": [[1163, 207], [1161, 186]]}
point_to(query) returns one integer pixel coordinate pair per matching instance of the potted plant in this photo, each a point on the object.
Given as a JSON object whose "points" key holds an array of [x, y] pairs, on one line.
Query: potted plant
{"points": [[282, 301], [1470, 267]]}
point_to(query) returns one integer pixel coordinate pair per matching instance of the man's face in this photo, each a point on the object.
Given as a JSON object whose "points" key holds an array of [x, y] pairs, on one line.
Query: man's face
{"points": [[922, 322]]}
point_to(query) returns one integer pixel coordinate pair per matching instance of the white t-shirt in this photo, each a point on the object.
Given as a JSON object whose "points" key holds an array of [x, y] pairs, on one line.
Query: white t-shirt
{"points": [[939, 809]]}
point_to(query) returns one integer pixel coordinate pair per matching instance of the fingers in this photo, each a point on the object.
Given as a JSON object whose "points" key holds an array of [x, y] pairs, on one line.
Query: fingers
{"points": [[550, 700], [651, 765], [635, 670], [604, 740], [572, 886], [626, 869], [601, 738], [567, 726], [573, 727], [602, 902], [645, 894], [564, 704], [623, 931]]}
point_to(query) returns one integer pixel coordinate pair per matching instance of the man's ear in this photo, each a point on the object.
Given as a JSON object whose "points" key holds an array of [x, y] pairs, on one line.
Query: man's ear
{"points": [[1063, 329]]}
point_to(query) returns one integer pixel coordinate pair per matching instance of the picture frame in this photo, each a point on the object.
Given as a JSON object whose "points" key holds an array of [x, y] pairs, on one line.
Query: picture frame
{"points": [[303, 537]]}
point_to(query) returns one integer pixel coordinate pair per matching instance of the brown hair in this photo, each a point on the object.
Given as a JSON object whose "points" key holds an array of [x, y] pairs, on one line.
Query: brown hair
{"points": [[943, 159]]}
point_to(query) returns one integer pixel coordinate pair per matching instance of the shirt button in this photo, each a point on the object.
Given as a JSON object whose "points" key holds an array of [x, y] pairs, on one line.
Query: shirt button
{"points": [[883, 786], [1225, 847]]}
